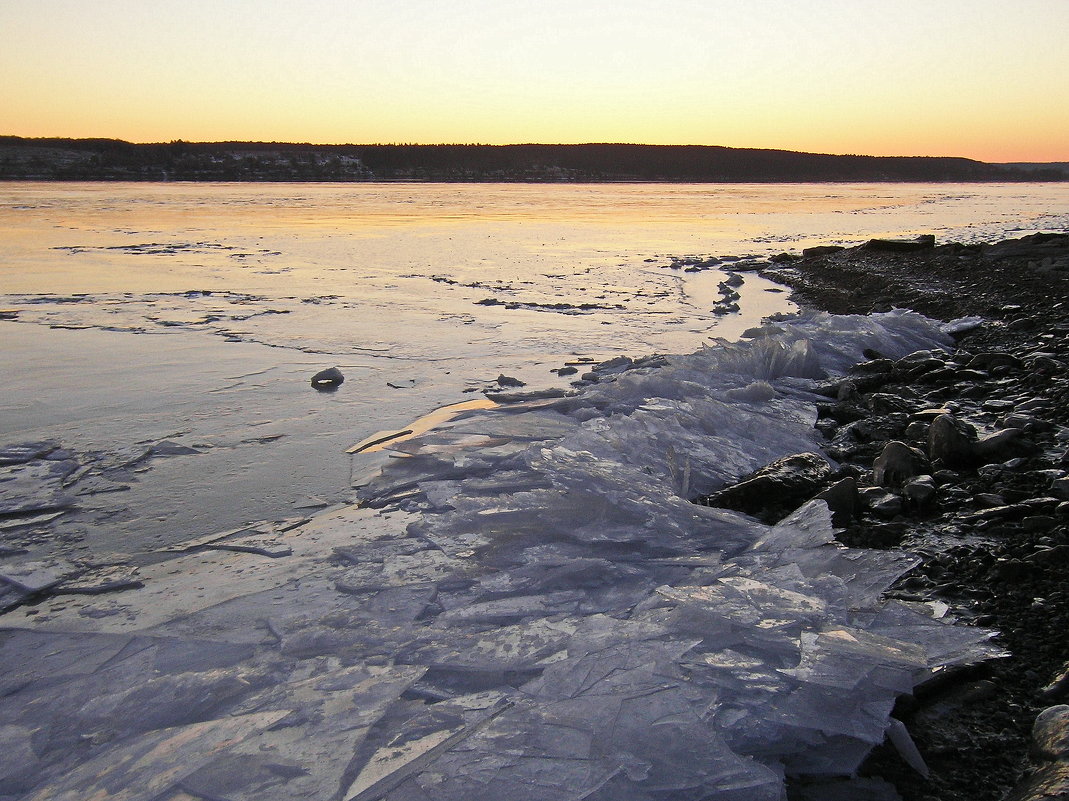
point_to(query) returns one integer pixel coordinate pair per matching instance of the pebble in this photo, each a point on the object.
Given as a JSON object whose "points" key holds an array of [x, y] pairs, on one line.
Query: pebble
{"points": [[326, 379]]}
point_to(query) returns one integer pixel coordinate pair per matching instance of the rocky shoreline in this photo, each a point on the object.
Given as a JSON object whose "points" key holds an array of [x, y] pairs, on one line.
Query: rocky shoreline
{"points": [[960, 457]]}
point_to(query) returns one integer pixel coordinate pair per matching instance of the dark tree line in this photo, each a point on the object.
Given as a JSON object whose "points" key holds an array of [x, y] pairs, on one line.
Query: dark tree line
{"points": [[111, 159]]}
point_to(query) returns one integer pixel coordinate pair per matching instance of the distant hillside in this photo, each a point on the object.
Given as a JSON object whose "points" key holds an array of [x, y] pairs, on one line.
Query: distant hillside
{"points": [[1049, 171], [116, 160]]}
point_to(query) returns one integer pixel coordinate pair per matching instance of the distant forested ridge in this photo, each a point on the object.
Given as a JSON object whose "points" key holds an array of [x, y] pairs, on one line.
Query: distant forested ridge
{"points": [[116, 160]]}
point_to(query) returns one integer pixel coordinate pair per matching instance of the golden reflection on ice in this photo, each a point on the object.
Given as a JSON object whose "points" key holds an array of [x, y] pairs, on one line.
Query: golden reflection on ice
{"points": [[379, 440]]}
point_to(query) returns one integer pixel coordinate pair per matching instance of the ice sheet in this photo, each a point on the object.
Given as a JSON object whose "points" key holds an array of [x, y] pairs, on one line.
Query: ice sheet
{"points": [[540, 613]]}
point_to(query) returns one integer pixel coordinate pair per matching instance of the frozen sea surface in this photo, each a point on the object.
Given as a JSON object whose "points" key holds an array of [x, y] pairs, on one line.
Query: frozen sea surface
{"points": [[527, 606], [195, 314]]}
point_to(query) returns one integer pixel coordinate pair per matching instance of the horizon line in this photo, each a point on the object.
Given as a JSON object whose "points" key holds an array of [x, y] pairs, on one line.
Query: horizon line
{"points": [[489, 144]]}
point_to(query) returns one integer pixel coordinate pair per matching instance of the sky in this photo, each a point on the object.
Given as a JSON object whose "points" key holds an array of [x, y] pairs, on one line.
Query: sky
{"points": [[985, 79]]}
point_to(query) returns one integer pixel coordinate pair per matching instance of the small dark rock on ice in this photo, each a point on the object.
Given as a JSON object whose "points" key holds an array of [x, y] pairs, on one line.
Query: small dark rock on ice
{"points": [[328, 379]]}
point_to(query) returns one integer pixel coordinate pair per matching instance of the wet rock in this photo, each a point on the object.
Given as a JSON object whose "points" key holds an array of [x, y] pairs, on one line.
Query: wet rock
{"points": [[920, 490], [950, 441], [917, 431], [821, 250], [1050, 747], [918, 363], [841, 498], [615, 365], [847, 391], [1002, 445], [774, 489], [880, 501], [1060, 488], [988, 361], [897, 464], [326, 379], [1023, 422], [923, 242], [1058, 687], [873, 365]]}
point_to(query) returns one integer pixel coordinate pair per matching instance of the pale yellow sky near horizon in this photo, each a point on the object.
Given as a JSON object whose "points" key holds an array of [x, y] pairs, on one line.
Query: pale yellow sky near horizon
{"points": [[978, 78]]}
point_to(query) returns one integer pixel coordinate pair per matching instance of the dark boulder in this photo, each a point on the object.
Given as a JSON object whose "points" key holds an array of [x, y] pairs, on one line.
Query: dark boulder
{"points": [[775, 489], [841, 498], [950, 442], [897, 464]]}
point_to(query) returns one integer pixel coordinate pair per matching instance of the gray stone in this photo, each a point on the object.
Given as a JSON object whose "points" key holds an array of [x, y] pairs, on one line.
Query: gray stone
{"points": [[880, 501], [1049, 782], [950, 441], [1050, 733], [1001, 445], [1024, 422], [776, 488], [897, 464], [987, 361], [847, 391], [920, 490], [841, 498], [1060, 488], [917, 431]]}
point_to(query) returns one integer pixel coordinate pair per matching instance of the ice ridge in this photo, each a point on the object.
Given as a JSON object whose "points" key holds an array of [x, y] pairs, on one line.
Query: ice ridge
{"points": [[527, 606], [636, 645]]}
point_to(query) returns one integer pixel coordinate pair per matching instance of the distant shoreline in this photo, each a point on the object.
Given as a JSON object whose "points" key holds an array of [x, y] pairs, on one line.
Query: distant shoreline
{"points": [[23, 159]]}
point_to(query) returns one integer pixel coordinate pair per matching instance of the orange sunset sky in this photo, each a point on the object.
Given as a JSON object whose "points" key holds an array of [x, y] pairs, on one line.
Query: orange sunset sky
{"points": [[985, 79]]}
